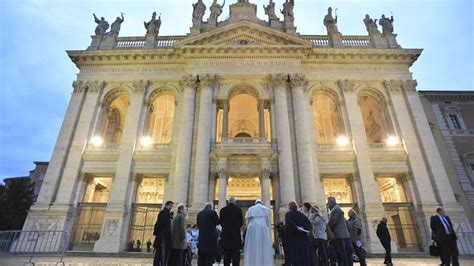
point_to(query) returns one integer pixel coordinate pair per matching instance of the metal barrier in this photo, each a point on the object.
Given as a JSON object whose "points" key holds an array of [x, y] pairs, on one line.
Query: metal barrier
{"points": [[34, 244]]}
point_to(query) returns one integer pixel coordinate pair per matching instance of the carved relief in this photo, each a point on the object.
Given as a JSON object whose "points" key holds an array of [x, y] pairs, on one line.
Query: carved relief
{"points": [[111, 227], [346, 85], [45, 224], [276, 81], [409, 86], [139, 86], [393, 86]]}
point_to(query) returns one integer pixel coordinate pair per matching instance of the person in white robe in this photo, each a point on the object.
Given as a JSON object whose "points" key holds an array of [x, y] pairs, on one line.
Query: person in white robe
{"points": [[258, 241]]}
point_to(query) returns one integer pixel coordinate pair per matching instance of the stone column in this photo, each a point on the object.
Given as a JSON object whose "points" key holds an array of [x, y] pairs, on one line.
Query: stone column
{"points": [[303, 142], [185, 139], [203, 143], [272, 120], [62, 148], [113, 237], [225, 115], [72, 168], [261, 119], [222, 188], [285, 158], [265, 184], [371, 204]]}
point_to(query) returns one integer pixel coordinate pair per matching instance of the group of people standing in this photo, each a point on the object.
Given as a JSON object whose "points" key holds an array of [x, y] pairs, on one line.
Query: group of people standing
{"points": [[312, 238], [172, 243], [309, 237]]}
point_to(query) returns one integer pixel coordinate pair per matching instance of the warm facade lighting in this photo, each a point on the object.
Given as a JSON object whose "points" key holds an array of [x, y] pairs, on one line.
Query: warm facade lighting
{"points": [[145, 141], [97, 141], [342, 141], [392, 141]]}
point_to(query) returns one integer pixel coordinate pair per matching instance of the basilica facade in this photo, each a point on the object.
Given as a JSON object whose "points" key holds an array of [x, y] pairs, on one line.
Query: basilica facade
{"points": [[242, 107]]}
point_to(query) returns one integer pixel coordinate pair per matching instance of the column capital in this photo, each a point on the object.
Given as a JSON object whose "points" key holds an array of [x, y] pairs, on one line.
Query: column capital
{"points": [[393, 86], [140, 86], [188, 82], [277, 80], [211, 81], [266, 173], [79, 86], [346, 85], [95, 86], [409, 85], [299, 81], [222, 173]]}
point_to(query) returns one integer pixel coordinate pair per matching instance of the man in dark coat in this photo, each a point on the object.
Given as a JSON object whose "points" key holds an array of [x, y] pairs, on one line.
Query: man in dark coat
{"points": [[231, 219], [298, 229], [207, 220], [162, 233], [337, 224], [384, 235], [445, 237]]}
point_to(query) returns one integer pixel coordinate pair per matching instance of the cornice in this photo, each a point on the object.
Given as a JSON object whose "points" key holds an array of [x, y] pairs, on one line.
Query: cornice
{"points": [[448, 95]]}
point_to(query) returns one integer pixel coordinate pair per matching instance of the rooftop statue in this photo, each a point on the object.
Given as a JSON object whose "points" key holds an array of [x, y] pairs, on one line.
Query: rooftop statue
{"points": [[371, 25], [216, 10], [115, 28], [153, 26], [287, 11], [270, 10], [198, 10], [387, 25], [102, 25], [330, 22]]}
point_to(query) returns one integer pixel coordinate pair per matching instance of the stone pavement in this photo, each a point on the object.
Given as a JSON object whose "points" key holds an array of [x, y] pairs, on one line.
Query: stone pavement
{"points": [[113, 261]]}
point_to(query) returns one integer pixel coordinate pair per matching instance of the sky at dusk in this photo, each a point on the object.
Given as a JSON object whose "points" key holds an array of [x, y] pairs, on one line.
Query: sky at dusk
{"points": [[36, 74]]}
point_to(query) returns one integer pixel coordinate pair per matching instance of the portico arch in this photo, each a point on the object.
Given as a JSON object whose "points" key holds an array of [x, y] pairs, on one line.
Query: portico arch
{"points": [[377, 121]]}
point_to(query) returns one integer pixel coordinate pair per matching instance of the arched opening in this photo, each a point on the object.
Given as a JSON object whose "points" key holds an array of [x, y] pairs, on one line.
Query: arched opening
{"points": [[243, 116], [327, 117], [160, 119], [114, 119], [376, 117]]}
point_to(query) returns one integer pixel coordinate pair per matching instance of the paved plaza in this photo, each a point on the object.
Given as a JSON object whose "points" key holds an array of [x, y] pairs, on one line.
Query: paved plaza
{"points": [[114, 261]]}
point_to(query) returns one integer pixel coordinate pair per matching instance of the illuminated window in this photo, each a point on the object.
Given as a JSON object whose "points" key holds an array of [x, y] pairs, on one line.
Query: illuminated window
{"points": [[338, 188]]}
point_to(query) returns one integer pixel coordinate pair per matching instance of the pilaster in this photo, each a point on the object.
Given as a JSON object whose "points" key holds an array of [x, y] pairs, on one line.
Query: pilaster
{"points": [[371, 203], [113, 237], [203, 143], [183, 154], [279, 83]]}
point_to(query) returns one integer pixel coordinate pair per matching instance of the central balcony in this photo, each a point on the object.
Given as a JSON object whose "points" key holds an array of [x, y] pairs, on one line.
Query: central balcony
{"points": [[155, 152], [244, 146]]}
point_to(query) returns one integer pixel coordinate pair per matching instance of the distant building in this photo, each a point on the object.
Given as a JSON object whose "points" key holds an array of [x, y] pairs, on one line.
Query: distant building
{"points": [[36, 176], [451, 117]]}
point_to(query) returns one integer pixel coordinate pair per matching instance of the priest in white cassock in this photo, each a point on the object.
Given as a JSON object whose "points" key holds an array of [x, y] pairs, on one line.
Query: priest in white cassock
{"points": [[258, 241]]}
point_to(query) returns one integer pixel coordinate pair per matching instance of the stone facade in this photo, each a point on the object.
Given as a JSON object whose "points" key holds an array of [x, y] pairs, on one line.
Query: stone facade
{"points": [[104, 160]]}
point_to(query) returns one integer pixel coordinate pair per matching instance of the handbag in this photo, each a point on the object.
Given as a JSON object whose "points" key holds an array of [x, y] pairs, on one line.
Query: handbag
{"points": [[434, 250]]}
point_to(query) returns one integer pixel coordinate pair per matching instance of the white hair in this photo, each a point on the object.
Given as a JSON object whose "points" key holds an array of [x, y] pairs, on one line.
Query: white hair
{"points": [[258, 201], [232, 199], [208, 205], [181, 206]]}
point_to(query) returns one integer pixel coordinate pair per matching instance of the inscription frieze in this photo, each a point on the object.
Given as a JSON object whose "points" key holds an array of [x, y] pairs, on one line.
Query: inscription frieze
{"points": [[112, 70]]}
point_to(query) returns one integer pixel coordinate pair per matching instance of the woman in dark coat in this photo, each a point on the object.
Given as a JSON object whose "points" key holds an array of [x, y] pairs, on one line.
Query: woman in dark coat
{"points": [[298, 241], [207, 220]]}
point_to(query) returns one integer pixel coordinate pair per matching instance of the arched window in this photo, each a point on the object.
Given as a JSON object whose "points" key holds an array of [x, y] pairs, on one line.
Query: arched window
{"points": [[161, 117], [113, 126], [376, 117], [327, 117], [113, 118]]}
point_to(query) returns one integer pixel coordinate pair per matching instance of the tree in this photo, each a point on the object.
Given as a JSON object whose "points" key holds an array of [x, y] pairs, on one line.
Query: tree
{"points": [[15, 201]]}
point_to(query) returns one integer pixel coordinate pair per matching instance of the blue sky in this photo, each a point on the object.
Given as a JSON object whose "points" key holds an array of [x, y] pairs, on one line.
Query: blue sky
{"points": [[36, 74]]}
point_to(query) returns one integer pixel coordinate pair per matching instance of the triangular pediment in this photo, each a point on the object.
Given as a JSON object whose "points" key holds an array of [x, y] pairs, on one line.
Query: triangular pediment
{"points": [[243, 33]]}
